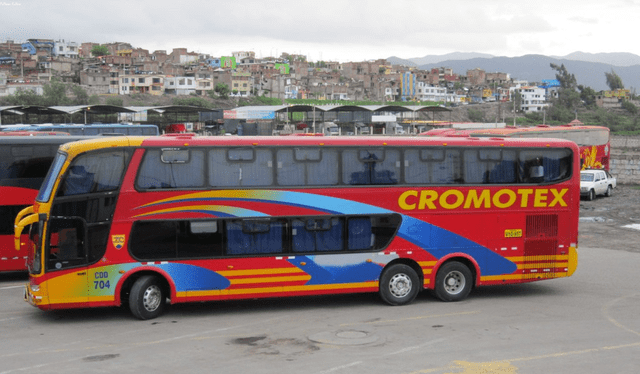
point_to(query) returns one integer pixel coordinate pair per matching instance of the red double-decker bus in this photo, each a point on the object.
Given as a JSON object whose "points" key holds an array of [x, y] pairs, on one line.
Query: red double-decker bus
{"points": [[24, 161], [139, 221], [593, 141]]}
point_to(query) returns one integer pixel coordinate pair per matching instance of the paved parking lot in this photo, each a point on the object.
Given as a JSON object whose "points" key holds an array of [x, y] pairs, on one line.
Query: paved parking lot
{"points": [[584, 324]]}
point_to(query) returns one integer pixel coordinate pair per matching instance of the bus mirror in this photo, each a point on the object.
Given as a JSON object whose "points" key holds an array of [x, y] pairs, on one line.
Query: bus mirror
{"points": [[28, 220]]}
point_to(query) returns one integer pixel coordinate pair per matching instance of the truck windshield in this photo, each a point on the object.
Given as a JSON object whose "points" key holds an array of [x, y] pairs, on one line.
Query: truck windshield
{"points": [[586, 177], [47, 186]]}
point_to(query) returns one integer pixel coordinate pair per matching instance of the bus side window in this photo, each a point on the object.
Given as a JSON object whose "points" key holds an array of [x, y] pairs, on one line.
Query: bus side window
{"points": [[360, 234], [547, 165], [448, 169], [307, 167], [254, 236], [199, 239], [370, 166], [172, 169], [240, 167], [490, 166], [317, 234]]}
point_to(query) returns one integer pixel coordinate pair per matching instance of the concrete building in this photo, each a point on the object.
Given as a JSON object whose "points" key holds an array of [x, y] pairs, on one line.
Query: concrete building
{"points": [[180, 85], [427, 92], [141, 83], [533, 99], [62, 48]]}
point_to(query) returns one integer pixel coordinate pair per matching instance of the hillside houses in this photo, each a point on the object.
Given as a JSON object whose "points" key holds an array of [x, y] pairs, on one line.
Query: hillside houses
{"points": [[127, 70]]}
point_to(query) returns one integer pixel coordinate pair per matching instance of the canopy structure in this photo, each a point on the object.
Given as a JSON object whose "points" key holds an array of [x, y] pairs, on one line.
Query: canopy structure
{"points": [[22, 110], [345, 108]]}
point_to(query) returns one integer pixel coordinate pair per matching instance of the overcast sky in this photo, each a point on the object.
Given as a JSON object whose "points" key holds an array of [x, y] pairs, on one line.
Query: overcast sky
{"points": [[335, 30]]}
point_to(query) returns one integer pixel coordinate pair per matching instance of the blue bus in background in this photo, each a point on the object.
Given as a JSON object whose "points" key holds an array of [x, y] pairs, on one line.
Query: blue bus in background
{"points": [[89, 130]]}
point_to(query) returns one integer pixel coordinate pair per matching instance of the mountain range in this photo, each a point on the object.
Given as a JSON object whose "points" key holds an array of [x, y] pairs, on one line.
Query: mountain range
{"points": [[588, 68]]}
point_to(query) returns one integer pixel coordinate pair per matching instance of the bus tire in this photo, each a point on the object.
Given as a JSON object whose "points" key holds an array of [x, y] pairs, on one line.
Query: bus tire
{"points": [[147, 298], [609, 192], [592, 195], [399, 285], [453, 281]]}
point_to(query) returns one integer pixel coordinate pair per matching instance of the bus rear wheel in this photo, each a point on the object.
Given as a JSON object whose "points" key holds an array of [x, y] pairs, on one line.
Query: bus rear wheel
{"points": [[453, 282], [147, 298], [399, 285]]}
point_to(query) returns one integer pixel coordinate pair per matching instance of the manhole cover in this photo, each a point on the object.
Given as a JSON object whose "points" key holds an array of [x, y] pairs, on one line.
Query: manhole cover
{"points": [[344, 337]]}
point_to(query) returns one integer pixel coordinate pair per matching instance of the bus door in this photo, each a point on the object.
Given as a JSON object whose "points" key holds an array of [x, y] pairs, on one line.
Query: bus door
{"points": [[67, 255]]}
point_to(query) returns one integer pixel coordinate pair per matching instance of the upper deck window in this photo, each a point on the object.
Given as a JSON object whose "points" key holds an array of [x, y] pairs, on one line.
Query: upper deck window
{"points": [[299, 166], [172, 168]]}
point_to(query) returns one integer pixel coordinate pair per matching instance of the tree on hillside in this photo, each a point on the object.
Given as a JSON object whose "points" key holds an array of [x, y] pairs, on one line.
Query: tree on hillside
{"points": [[613, 81], [55, 93], [588, 96], [81, 95], [99, 50], [222, 90], [23, 97], [114, 100], [568, 98]]}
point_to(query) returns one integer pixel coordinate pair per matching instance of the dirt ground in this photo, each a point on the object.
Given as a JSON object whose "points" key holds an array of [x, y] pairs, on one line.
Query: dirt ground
{"points": [[602, 220]]}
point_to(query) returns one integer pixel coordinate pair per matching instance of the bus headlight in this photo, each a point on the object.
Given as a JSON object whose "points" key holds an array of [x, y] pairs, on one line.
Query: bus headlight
{"points": [[35, 287]]}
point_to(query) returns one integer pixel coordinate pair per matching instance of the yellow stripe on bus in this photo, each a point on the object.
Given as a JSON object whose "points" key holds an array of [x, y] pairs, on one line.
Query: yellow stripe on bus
{"points": [[237, 273], [269, 279], [267, 290]]}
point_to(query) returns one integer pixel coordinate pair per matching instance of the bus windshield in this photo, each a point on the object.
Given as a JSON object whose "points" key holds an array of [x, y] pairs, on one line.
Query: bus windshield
{"points": [[47, 186]]}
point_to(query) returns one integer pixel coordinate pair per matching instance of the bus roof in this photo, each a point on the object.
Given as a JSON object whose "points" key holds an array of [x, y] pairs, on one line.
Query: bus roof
{"points": [[26, 139], [191, 140], [511, 131]]}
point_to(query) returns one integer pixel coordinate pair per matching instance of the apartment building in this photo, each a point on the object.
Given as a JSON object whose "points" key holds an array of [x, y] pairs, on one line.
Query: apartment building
{"points": [[141, 83], [241, 83], [62, 48], [427, 92], [533, 99], [180, 85]]}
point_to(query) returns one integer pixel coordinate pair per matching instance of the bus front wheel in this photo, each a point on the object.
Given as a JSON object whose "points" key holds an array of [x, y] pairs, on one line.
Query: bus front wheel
{"points": [[453, 282], [147, 298], [399, 285]]}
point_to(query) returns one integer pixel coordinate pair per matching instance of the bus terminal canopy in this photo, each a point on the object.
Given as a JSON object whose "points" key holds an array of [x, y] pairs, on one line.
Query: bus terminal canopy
{"points": [[97, 109], [249, 112], [166, 109]]}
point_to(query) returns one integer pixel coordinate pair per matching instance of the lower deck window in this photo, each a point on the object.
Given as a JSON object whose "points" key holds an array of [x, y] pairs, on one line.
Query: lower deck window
{"points": [[182, 239]]}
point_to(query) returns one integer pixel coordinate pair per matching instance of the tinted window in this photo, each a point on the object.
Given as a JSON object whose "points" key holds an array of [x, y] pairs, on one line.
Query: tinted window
{"points": [[307, 167], [370, 166], [94, 172], [176, 239], [172, 169], [240, 167], [490, 165]]}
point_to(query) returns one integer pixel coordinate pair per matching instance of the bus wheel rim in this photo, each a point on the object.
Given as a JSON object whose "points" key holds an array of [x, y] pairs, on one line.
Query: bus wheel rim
{"points": [[454, 282], [400, 285], [152, 298]]}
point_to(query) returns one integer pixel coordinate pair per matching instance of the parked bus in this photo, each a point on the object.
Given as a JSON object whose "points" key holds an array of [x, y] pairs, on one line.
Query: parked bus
{"points": [[593, 141], [91, 129], [137, 221], [24, 161]]}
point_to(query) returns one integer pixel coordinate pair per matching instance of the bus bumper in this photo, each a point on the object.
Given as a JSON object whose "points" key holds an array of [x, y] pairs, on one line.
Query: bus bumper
{"points": [[30, 297], [573, 261]]}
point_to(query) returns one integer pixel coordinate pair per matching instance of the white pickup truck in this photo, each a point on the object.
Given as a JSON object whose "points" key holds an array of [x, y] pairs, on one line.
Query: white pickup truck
{"points": [[596, 182]]}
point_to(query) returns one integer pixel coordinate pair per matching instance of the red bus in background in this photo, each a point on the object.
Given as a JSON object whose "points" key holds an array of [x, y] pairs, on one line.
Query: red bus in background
{"points": [[593, 141], [138, 221], [25, 158]]}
